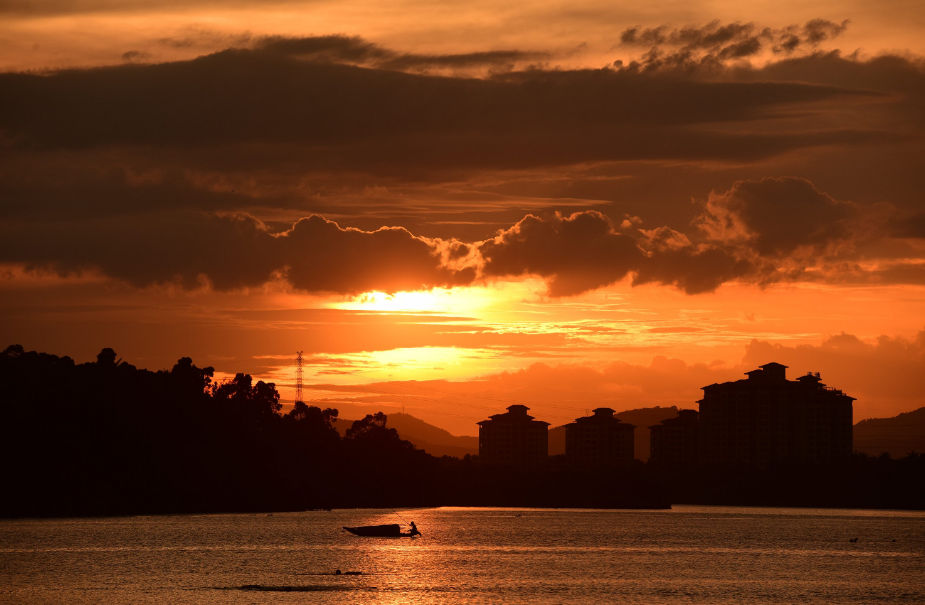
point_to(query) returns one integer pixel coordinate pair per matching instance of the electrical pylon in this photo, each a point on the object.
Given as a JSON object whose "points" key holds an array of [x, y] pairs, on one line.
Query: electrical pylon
{"points": [[298, 376]]}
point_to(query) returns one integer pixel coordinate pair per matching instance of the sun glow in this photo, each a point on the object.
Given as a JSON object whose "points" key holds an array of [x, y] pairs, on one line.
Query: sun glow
{"points": [[458, 301], [424, 363], [411, 363]]}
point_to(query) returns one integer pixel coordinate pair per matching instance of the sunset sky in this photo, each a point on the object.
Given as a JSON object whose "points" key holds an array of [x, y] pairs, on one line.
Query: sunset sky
{"points": [[455, 207]]}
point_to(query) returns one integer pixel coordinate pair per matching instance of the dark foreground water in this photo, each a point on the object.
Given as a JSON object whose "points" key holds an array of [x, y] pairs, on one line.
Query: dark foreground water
{"points": [[686, 555]]}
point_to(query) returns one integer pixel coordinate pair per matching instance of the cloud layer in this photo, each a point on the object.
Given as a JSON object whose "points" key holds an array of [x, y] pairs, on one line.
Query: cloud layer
{"points": [[234, 252], [336, 103], [210, 171], [776, 229]]}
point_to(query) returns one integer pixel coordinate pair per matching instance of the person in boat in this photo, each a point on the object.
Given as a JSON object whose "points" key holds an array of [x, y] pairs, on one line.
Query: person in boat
{"points": [[414, 530]]}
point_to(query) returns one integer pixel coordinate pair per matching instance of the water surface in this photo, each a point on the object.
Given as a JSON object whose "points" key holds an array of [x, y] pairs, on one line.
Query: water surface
{"points": [[686, 555]]}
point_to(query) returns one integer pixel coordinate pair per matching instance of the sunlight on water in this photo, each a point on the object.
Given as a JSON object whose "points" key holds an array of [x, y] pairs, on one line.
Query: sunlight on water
{"points": [[686, 555]]}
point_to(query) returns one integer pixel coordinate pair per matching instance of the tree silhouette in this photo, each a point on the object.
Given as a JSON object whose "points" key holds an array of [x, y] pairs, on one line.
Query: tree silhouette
{"points": [[371, 427], [106, 357]]}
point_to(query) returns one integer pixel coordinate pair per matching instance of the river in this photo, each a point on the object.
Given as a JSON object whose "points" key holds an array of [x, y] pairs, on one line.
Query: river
{"points": [[690, 554]]}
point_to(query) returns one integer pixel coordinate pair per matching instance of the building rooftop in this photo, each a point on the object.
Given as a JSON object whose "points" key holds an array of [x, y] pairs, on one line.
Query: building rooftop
{"points": [[514, 413], [601, 415], [776, 374], [684, 418]]}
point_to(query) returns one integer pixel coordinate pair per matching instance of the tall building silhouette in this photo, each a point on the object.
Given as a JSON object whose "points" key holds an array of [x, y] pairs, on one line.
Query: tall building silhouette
{"points": [[599, 439], [676, 441], [513, 438], [766, 419]]}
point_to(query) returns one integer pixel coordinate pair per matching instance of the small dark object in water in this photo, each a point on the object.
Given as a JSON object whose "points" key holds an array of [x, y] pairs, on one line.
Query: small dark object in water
{"points": [[853, 540], [379, 531], [337, 572]]}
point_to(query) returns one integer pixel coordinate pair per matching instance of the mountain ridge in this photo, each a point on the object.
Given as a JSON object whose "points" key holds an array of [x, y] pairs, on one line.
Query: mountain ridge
{"points": [[896, 436], [432, 439]]}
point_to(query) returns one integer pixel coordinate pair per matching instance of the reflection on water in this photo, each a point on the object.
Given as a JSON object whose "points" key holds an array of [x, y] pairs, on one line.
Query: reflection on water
{"points": [[686, 555]]}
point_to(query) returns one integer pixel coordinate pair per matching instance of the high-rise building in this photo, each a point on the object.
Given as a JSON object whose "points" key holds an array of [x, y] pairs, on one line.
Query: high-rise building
{"points": [[513, 438], [599, 440], [675, 442], [766, 418]]}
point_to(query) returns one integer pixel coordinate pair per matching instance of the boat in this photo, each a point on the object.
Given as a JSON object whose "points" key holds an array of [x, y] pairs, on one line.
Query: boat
{"points": [[379, 531]]}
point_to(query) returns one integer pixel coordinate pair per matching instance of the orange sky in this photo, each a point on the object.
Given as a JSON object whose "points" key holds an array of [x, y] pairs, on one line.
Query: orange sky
{"points": [[455, 208]]}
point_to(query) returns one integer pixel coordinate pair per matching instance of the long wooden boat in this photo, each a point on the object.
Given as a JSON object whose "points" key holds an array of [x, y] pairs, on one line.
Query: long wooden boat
{"points": [[379, 531]]}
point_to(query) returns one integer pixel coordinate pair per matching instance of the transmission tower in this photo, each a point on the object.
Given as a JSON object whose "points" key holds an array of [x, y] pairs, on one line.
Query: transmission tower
{"points": [[298, 376]]}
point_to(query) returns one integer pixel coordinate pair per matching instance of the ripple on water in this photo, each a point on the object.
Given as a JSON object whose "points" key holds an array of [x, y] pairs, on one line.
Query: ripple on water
{"points": [[688, 555]]}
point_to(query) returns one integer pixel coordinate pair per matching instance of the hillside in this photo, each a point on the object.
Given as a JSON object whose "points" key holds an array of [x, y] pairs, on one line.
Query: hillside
{"points": [[434, 440], [642, 418], [896, 436]]}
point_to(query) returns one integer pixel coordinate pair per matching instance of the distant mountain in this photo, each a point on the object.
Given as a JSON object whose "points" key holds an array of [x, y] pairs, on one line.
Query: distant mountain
{"points": [[896, 436], [642, 418], [433, 440]]}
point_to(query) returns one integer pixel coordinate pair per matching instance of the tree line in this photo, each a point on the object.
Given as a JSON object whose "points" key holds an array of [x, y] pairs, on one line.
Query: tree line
{"points": [[109, 438]]}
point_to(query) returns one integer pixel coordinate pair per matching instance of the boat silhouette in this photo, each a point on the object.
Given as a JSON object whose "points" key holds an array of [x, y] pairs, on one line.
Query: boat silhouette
{"points": [[380, 531]]}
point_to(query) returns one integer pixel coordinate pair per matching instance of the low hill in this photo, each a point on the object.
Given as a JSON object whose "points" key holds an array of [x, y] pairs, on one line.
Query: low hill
{"points": [[896, 436], [433, 440], [642, 418]]}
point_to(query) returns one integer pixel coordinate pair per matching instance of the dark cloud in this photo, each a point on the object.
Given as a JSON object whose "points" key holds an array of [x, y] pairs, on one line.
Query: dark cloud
{"points": [[901, 81], [694, 270], [331, 49], [194, 36], [745, 48], [137, 170], [892, 273], [135, 55], [575, 253], [322, 257], [585, 251], [51, 189], [712, 46], [772, 230], [709, 36], [911, 226], [884, 272], [330, 116], [232, 252], [357, 51], [788, 230], [886, 73], [819, 30], [289, 109], [775, 216]]}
